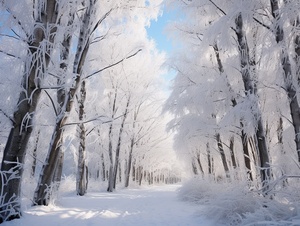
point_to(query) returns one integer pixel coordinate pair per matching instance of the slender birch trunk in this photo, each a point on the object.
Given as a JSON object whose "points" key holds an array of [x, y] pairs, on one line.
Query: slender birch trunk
{"points": [[81, 178], [110, 149], [209, 159], [232, 155], [117, 155], [128, 169], [222, 153], [34, 154]]}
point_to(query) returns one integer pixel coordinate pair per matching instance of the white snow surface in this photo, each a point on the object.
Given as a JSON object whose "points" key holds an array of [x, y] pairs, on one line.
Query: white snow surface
{"points": [[156, 205]]}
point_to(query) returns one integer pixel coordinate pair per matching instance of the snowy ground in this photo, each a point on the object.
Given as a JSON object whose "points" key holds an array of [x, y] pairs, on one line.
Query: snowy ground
{"points": [[148, 206]]}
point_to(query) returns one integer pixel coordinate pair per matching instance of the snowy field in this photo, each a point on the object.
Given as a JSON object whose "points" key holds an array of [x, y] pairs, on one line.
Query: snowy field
{"points": [[157, 205]]}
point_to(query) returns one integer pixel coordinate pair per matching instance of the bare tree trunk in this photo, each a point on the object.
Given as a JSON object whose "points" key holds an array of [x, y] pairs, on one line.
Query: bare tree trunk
{"points": [[223, 157], [221, 70], [110, 151], [232, 155], [120, 172], [297, 47], [116, 164], [58, 170], [247, 159], [43, 191], [209, 163], [15, 149], [34, 154], [250, 89], [81, 182], [194, 168], [199, 164], [133, 171], [103, 167], [61, 95], [290, 88], [132, 143], [140, 173], [111, 161], [128, 169]]}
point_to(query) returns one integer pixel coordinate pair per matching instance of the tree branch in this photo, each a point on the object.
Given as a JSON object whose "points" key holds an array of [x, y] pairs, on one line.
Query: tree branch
{"points": [[9, 54], [262, 24], [90, 120], [114, 64], [7, 116], [52, 102], [218, 7], [101, 20]]}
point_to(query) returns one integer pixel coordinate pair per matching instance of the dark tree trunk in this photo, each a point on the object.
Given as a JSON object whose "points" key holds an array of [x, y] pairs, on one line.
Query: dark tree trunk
{"points": [[34, 154], [194, 168], [128, 169], [290, 88], [116, 164], [81, 181], [110, 151], [15, 149], [200, 164], [209, 162], [232, 155], [42, 193], [103, 167], [250, 89], [247, 159], [222, 153]]}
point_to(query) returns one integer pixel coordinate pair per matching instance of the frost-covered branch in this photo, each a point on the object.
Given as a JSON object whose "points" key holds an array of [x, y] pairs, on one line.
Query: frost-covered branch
{"points": [[52, 102], [89, 120], [7, 116], [9, 54], [114, 64]]}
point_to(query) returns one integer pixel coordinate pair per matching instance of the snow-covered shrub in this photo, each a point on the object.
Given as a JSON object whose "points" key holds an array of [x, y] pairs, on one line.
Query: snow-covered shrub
{"points": [[196, 190], [235, 204]]}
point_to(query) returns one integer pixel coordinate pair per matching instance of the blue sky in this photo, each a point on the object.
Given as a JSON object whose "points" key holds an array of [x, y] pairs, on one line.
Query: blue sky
{"points": [[157, 32]]}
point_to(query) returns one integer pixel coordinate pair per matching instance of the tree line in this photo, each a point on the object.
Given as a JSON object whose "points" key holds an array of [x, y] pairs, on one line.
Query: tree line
{"points": [[235, 96]]}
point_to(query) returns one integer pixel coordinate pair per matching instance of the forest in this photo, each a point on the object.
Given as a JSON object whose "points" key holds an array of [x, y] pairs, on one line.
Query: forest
{"points": [[85, 100]]}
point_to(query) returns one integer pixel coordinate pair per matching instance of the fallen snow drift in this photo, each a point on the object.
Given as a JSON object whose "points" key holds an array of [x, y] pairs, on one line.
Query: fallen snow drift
{"points": [[157, 205]]}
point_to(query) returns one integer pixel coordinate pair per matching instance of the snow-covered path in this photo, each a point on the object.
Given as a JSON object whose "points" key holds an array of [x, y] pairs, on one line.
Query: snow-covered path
{"points": [[151, 206]]}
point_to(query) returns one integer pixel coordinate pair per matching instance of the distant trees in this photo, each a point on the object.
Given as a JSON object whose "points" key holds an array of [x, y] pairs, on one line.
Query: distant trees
{"points": [[228, 92]]}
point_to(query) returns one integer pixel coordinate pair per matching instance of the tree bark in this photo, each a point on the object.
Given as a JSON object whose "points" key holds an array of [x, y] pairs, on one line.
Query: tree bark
{"points": [[116, 164], [209, 162], [232, 155], [200, 164], [43, 191], [250, 90], [15, 149], [221, 70], [110, 151], [222, 153], [81, 183], [128, 169], [34, 154], [290, 88]]}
